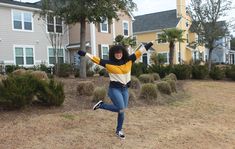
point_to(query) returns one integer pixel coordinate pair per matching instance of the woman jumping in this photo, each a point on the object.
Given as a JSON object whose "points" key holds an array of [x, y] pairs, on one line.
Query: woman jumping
{"points": [[119, 69]]}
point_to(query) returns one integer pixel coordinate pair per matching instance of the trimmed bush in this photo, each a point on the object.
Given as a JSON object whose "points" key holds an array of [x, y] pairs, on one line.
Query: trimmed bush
{"points": [[230, 72], [90, 73], [44, 68], [97, 69], [2, 78], [199, 71], [146, 78], [85, 88], [160, 69], [148, 92], [182, 72], [172, 84], [138, 68], [216, 73], [19, 72], [103, 72], [135, 83], [156, 76], [99, 94], [41, 75], [164, 87], [17, 91], [132, 96], [64, 70], [171, 76], [11, 68], [52, 93], [232, 75]]}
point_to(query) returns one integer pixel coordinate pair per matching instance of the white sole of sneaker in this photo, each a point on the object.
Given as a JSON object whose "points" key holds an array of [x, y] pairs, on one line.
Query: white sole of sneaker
{"points": [[120, 137], [97, 104]]}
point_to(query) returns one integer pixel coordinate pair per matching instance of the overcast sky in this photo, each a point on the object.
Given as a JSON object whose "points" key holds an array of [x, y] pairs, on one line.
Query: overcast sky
{"points": [[151, 6]]}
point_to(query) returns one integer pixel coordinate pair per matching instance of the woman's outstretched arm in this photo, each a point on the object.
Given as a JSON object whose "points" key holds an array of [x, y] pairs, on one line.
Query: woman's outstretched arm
{"points": [[140, 50], [93, 58]]}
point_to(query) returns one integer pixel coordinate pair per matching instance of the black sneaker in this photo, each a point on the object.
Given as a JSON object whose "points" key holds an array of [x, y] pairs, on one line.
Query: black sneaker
{"points": [[120, 134], [97, 105]]}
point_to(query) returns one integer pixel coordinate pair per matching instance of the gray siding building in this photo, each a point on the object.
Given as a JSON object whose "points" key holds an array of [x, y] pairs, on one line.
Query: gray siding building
{"points": [[25, 38]]}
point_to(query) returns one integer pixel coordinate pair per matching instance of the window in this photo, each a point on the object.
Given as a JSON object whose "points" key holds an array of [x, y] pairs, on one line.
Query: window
{"points": [[54, 24], [58, 25], [163, 57], [145, 59], [24, 55], [160, 40], [125, 28], [105, 52], [29, 56], [52, 56], [50, 23], [19, 56], [104, 26], [22, 20]]}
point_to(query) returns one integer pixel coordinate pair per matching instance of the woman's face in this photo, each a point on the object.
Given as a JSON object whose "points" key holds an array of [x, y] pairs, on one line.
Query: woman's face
{"points": [[118, 55]]}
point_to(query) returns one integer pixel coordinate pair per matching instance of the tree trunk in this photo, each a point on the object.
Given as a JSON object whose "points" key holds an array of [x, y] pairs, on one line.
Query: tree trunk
{"points": [[171, 54], [209, 59], [83, 47]]}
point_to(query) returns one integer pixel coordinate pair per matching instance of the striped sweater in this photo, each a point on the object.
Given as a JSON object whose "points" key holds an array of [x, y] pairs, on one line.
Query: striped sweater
{"points": [[119, 72]]}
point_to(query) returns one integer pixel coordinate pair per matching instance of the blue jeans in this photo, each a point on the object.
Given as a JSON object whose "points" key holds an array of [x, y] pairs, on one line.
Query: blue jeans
{"points": [[119, 97]]}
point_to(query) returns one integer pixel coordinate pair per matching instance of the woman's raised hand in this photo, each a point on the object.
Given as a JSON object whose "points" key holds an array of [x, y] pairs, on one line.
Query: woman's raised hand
{"points": [[81, 53]]}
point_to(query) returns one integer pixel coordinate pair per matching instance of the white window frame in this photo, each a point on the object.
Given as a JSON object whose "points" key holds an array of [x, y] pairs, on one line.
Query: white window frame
{"points": [[104, 46], [54, 25], [123, 29], [48, 59], [22, 20], [24, 54], [167, 57], [105, 23]]}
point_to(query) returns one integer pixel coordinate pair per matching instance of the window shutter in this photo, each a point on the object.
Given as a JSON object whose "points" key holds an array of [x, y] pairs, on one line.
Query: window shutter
{"points": [[99, 51], [109, 27], [98, 27]]}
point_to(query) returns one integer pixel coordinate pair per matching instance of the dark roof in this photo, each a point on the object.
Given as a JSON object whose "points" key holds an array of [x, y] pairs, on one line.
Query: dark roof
{"points": [[27, 4], [155, 21], [151, 48]]}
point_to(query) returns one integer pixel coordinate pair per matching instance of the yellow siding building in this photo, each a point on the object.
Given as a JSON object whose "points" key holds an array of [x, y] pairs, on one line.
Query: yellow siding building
{"points": [[147, 28]]}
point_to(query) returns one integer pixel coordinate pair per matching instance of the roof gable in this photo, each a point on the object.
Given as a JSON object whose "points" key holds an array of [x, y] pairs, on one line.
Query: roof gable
{"points": [[155, 21]]}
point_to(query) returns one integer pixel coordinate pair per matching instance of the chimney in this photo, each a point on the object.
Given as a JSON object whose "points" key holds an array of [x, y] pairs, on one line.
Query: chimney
{"points": [[181, 8]]}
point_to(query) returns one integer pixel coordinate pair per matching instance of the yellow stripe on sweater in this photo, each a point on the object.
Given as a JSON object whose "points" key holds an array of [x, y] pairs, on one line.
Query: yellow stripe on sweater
{"points": [[138, 54], [94, 59], [122, 69]]}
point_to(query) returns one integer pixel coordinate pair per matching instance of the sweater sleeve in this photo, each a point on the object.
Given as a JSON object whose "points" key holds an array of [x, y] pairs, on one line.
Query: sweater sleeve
{"points": [[96, 59], [139, 51]]}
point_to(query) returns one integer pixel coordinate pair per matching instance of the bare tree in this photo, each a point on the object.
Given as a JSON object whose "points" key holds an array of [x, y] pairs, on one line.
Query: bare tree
{"points": [[206, 16]]}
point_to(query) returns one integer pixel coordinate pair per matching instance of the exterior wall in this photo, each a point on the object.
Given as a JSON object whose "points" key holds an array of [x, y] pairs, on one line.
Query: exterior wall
{"points": [[116, 28], [119, 24], [38, 38], [221, 53], [74, 33], [96, 38]]}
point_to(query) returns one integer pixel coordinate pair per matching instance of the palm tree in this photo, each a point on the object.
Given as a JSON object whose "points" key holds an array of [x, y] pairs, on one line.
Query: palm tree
{"points": [[125, 41], [172, 36]]}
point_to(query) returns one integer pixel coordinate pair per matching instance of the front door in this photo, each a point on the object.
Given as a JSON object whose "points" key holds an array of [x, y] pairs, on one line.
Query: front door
{"points": [[145, 59]]}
